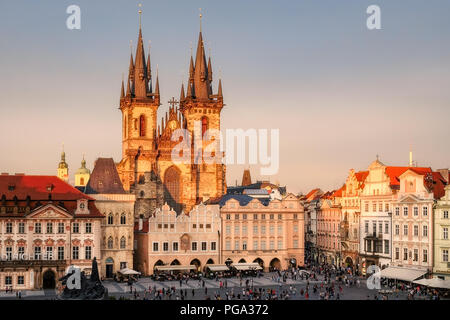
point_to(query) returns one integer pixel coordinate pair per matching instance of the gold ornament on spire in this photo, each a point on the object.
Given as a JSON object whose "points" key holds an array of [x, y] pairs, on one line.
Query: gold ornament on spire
{"points": [[140, 13], [200, 15]]}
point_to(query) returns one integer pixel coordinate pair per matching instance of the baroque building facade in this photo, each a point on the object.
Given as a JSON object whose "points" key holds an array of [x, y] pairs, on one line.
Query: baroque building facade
{"points": [[412, 218], [351, 211], [147, 148], [186, 239], [269, 232], [45, 226]]}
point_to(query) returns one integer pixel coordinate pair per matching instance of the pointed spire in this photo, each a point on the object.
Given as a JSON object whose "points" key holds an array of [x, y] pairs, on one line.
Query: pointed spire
{"points": [[201, 82], [149, 68], [182, 92], [140, 69], [219, 91], [209, 70], [157, 82], [122, 90], [129, 88]]}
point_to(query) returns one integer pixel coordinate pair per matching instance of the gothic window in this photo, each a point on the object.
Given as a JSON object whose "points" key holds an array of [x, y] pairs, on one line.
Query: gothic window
{"points": [[204, 125], [122, 243], [142, 126], [123, 219], [172, 187], [110, 219], [110, 243]]}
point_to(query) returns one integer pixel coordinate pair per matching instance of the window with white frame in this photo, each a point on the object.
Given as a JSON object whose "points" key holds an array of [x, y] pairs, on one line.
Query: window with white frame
{"points": [[405, 230], [397, 211], [445, 255], [405, 254], [397, 230], [204, 246], [244, 245], [213, 246], [445, 233], [165, 246], [255, 244], [416, 211], [405, 211], [228, 245], [255, 229], [425, 210], [425, 255], [295, 243], [416, 230], [445, 214], [236, 245], [425, 231], [175, 246], [155, 246], [228, 229], [416, 255], [194, 246]]}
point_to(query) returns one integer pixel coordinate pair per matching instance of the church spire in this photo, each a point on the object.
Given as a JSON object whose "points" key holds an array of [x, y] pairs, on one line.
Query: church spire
{"points": [[122, 90], [182, 93], [201, 82], [219, 91], [149, 70], [140, 70]]}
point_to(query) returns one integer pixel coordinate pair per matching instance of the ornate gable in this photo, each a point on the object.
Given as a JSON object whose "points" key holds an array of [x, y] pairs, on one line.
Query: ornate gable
{"points": [[50, 211]]}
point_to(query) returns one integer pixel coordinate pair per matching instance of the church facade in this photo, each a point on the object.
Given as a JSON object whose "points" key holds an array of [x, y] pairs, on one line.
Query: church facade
{"points": [[147, 168]]}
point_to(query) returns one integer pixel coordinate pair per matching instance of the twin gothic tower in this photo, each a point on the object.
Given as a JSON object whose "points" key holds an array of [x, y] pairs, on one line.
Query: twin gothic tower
{"points": [[146, 168]]}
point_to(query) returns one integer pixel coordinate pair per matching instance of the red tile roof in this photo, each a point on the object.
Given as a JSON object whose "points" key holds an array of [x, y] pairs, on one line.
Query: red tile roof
{"points": [[361, 175], [395, 172], [36, 187], [39, 189]]}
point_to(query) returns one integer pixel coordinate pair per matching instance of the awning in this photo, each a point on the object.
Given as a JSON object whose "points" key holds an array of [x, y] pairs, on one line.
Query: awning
{"points": [[217, 267], [247, 266], [127, 271], [434, 283], [176, 268], [404, 274]]}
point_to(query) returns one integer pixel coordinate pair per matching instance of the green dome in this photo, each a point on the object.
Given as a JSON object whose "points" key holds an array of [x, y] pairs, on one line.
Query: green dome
{"points": [[83, 169]]}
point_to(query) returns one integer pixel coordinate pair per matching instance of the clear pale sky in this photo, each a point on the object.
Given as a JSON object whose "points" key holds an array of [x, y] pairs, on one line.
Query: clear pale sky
{"points": [[339, 93]]}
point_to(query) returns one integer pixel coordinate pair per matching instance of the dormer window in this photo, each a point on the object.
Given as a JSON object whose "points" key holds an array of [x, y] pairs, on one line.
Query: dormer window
{"points": [[82, 207]]}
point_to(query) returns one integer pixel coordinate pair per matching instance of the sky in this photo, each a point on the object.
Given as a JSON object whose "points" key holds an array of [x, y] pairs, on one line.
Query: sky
{"points": [[339, 93]]}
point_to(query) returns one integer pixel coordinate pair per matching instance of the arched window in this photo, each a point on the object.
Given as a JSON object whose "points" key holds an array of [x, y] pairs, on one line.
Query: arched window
{"points": [[142, 126], [204, 125], [110, 243], [110, 219], [81, 181], [123, 219], [122, 243], [172, 192]]}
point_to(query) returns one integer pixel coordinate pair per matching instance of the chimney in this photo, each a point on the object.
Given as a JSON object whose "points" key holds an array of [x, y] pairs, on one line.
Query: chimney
{"points": [[141, 224], [410, 159]]}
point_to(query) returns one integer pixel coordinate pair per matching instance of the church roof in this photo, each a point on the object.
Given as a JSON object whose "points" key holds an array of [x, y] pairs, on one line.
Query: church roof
{"points": [[104, 178]]}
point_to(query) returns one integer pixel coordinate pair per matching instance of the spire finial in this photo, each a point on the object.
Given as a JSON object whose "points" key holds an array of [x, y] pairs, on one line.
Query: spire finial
{"points": [[200, 16], [140, 14], [131, 46]]}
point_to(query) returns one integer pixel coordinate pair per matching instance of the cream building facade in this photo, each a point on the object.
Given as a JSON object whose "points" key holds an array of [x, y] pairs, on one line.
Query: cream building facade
{"points": [[186, 239], [441, 267], [412, 219], [117, 227], [270, 232]]}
